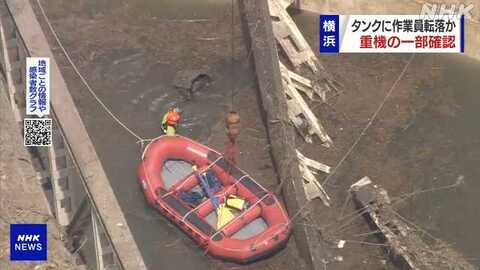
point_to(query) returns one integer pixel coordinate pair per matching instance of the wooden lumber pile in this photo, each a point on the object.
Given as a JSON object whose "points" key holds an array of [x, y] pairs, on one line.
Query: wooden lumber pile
{"points": [[303, 84], [298, 52], [403, 238], [299, 113], [309, 168], [296, 48], [290, 38]]}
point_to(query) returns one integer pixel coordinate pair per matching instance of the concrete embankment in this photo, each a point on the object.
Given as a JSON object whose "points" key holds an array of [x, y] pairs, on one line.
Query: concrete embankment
{"points": [[281, 134]]}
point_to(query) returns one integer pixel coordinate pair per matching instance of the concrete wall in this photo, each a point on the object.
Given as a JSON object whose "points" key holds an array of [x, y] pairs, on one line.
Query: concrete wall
{"points": [[280, 133], [412, 7]]}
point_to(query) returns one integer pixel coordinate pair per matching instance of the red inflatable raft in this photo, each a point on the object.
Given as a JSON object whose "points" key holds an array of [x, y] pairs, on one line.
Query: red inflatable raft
{"points": [[166, 171]]}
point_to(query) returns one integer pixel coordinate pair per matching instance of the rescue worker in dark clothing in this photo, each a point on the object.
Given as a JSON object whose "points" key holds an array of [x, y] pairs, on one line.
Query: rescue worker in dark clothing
{"points": [[170, 121]]}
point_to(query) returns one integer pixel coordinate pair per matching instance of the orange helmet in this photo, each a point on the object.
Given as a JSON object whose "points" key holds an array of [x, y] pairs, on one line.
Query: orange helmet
{"points": [[173, 118]]}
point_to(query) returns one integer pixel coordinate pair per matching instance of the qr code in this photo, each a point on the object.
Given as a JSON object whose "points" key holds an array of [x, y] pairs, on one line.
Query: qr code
{"points": [[37, 131]]}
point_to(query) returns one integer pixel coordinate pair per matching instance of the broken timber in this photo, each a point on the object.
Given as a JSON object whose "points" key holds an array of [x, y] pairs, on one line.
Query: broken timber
{"points": [[311, 246], [305, 85], [289, 37], [299, 113], [295, 46], [404, 242], [286, 3], [313, 189]]}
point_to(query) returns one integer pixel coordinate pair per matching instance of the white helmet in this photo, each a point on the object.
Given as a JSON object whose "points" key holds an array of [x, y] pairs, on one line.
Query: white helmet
{"points": [[177, 109]]}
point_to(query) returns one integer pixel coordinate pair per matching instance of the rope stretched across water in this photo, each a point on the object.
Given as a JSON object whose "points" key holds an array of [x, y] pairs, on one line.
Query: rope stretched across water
{"points": [[370, 122], [84, 81], [357, 140]]}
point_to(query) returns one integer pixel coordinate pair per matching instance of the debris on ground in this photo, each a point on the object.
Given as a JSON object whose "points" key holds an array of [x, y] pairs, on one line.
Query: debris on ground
{"points": [[290, 38], [298, 52], [307, 86], [296, 48], [313, 189], [341, 243], [191, 81], [403, 238], [300, 114]]}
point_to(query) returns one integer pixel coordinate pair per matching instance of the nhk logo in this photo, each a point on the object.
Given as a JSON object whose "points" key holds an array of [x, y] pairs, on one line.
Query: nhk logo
{"points": [[430, 10], [28, 242]]}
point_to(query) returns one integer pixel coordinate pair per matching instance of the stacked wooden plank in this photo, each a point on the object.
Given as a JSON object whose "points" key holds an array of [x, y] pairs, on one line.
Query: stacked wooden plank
{"points": [[309, 168], [298, 51], [296, 48], [299, 113], [290, 38]]}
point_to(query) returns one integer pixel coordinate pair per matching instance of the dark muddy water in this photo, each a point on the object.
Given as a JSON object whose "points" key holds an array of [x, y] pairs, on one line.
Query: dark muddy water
{"points": [[140, 100], [139, 88], [182, 9], [439, 146], [165, 9]]}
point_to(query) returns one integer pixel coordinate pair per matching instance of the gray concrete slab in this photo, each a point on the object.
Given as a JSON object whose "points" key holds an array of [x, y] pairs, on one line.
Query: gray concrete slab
{"points": [[282, 135]]}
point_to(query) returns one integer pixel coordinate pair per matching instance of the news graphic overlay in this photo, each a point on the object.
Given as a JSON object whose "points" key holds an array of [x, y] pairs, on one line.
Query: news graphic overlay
{"points": [[37, 131], [391, 34], [329, 34], [38, 86], [28, 242]]}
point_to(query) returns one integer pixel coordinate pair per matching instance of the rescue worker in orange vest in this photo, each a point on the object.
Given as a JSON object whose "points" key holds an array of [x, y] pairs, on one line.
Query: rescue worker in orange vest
{"points": [[170, 121]]}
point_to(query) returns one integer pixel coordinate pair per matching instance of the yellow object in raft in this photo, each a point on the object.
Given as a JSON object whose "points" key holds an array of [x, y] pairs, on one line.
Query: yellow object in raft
{"points": [[235, 202], [224, 215]]}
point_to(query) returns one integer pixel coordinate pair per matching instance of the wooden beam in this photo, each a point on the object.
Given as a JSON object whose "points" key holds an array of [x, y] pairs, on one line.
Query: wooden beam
{"points": [[297, 49], [313, 163], [313, 189], [305, 85], [310, 125], [290, 38]]}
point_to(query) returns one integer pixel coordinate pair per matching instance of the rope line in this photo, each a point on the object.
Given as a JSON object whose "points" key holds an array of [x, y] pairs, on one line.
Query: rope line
{"points": [[374, 116], [84, 81], [232, 44], [249, 47], [415, 193]]}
